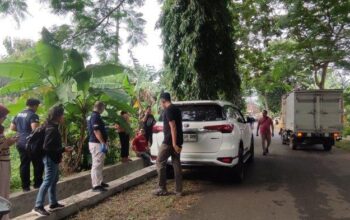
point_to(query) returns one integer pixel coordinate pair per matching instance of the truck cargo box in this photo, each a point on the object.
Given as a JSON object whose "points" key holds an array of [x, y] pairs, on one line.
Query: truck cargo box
{"points": [[312, 113]]}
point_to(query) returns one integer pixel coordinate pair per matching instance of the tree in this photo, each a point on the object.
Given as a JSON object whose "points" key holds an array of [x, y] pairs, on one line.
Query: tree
{"points": [[322, 30], [16, 47], [268, 64], [15, 8], [98, 23], [199, 50]]}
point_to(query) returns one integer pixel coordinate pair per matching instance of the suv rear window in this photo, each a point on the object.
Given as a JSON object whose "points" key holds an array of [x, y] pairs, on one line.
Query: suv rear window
{"points": [[205, 112]]}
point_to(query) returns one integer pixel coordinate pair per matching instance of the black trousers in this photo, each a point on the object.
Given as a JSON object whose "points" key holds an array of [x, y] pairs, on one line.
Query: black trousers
{"points": [[149, 135], [38, 166], [124, 142]]}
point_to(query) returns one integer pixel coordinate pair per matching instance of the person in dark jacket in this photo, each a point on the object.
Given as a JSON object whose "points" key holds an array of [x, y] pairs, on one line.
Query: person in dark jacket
{"points": [[53, 156], [148, 121], [24, 123], [124, 137]]}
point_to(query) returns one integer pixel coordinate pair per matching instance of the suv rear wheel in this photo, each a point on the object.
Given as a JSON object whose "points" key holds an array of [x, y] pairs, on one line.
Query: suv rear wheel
{"points": [[238, 170], [251, 151]]}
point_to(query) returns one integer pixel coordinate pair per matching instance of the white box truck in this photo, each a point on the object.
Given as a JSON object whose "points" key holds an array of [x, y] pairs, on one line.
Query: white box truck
{"points": [[312, 117]]}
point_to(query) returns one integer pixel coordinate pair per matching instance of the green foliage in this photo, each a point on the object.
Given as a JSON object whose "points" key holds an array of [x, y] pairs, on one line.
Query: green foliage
{"points": [[268, 63], [60, 76], [16, 183], [200, 58], [15, 8], [321, 29], [97, 24]]}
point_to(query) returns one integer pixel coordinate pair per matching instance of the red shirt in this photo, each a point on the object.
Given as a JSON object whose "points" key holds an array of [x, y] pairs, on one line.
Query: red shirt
{"points": [[265, 123], [140, 143]]}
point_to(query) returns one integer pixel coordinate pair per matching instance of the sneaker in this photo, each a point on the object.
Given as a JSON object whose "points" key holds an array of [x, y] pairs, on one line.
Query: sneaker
{"points": [[179, 194], [99, 189], [26, 189], [40, 211], [104, 185], [56, 207], [160, 192]]}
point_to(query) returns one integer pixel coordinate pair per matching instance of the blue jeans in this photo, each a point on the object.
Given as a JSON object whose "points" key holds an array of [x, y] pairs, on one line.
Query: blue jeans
{"points": [[49, 183], [146, 158]]}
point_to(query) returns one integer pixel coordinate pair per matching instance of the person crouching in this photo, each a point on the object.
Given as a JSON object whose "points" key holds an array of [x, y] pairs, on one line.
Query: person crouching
{"points": [[141, 148]]}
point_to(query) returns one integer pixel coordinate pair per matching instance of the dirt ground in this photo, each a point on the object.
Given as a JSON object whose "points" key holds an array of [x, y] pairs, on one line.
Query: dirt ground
{"points": [[139, 203]]}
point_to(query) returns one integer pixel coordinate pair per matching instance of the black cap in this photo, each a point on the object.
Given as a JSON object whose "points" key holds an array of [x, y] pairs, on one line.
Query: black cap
{"points": [[32, 102], [166, 96]]}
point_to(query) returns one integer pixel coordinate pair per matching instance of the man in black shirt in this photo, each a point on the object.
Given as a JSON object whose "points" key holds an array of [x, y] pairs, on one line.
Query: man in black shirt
{"points": [[97, 146], [24, 123], [172, 145], [148, 122]]}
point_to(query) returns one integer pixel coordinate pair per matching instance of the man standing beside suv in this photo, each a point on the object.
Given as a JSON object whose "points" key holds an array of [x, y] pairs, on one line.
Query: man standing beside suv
{"points": [[172, 146], [24, 123]]}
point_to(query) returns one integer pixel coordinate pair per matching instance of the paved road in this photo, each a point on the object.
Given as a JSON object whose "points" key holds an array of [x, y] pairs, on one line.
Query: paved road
{"points": [[287, 184]]}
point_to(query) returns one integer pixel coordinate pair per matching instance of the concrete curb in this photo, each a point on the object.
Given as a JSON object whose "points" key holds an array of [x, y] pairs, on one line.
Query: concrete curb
{"points": [[75, 184], [88, 198]]}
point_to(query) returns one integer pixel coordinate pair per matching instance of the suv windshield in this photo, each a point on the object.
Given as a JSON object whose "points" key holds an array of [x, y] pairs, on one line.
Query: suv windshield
{"points": [[205, 112]]}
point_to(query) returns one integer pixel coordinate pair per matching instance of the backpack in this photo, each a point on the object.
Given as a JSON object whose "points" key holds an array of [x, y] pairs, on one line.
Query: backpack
{"points": [[35, 142]]}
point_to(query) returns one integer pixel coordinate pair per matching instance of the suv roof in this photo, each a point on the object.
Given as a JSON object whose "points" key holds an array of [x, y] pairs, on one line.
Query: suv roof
{"points": [[199, 102]]}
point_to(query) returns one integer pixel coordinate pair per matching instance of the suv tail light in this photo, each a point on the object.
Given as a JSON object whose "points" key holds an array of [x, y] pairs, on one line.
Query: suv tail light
{"points": [[157, 128], [225, 159], [227, 128]]}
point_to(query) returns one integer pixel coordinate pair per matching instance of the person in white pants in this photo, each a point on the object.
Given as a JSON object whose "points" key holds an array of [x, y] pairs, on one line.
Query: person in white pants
{"points": [[97, 146]]}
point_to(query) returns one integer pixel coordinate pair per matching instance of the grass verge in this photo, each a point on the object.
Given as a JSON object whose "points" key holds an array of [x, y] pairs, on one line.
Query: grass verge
{"points": [[139, 203], [343, 144]]}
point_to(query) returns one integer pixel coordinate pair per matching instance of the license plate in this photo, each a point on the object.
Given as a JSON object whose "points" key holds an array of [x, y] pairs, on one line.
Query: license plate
{"points": [[190, 137]]}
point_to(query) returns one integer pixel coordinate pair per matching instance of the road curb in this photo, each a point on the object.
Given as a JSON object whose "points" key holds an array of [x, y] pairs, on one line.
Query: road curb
{"points": [[88, 198], [72, 185]]}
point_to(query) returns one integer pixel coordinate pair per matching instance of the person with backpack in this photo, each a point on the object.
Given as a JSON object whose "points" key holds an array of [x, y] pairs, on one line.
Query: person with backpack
{"points": [[24, 123], [98, 147], [5, 166], [53, 151]]}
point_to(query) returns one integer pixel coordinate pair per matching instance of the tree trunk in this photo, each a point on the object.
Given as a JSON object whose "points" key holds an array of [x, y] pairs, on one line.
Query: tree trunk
{"points": [[320, 83], [324, 75], [81, 142], [117, 28], [265, 102]]}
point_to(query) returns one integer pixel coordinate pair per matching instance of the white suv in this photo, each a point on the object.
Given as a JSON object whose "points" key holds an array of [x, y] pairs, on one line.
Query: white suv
{"points": [[215, 134]]}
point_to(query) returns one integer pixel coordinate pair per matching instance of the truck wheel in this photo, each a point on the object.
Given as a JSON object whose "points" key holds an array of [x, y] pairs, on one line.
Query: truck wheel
{"points": [[327, 147], [251, 151], [292, 143], [238, 170], [284, 141]]}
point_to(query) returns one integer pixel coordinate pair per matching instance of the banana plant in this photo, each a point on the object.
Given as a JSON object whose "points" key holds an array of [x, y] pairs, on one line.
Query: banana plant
{"points": [[59, 76]]}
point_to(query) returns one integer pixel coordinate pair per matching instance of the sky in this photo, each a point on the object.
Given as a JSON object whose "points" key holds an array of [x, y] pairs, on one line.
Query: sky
{"points": [[40, 16]]}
